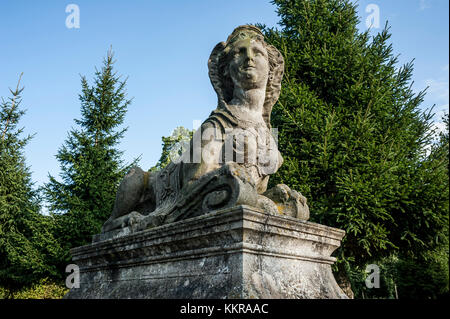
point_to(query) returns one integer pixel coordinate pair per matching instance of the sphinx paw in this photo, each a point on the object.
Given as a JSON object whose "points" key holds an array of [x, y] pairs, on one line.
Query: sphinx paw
{"points": [[289, 202]]}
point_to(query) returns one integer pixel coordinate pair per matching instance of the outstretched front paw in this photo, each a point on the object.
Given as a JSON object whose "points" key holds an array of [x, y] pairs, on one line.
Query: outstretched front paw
{"points": [[289, 202], [131, 220]]}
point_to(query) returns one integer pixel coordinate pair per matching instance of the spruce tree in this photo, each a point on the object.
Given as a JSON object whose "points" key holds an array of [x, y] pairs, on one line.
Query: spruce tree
{"points": [[28, 250], [91, 165], [353, 137]]}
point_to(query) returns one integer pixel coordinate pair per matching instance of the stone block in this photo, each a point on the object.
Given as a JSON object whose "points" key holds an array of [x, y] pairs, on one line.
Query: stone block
{"points": [[239, 252]]}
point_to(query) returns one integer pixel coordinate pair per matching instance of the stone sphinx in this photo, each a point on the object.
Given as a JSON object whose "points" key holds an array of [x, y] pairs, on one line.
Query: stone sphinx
{"points": [[206, 226], [231, 156]]}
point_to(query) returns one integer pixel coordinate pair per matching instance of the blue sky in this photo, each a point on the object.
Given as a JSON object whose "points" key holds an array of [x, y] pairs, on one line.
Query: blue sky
{"points": [[163, 48]]}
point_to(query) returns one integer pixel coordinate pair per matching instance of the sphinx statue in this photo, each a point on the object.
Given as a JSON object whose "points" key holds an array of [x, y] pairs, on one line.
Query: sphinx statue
{"points": [[230, 157]]}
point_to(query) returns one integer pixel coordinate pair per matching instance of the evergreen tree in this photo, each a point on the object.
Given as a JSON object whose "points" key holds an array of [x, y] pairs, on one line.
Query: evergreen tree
{"points": [[353, 137], [91, 165], [27, 248], [173, 146]]}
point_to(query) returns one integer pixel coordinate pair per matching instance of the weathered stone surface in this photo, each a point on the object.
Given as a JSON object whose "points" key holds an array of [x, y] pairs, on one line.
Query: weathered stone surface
{"points": [[205, 226], [288, 201], [230, 157], [239, 252]]}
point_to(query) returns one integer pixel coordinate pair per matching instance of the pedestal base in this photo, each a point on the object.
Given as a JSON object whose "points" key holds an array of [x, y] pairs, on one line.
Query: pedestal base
{"points": [[239, 252]]}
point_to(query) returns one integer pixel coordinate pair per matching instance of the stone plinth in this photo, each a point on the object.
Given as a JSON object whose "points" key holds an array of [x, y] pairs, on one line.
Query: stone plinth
{"points": [[239, 252]]}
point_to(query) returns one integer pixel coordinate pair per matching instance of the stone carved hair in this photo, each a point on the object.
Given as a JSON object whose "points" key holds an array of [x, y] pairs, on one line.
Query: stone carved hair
{"points": [[221, 80]]}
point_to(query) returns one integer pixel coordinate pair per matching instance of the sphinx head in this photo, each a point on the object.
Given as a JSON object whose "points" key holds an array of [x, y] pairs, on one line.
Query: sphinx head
{"points": [[245, 60]]}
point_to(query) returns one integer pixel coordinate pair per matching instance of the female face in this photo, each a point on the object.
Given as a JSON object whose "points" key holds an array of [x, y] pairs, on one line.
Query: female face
{"points": [[249, 64]]}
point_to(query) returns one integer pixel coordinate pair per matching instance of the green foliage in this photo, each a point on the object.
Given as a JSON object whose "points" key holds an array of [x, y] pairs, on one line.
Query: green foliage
{"points": [[27, 247], [44, 289], [424, 277], [353, 137], [173, 146], [388, 280], [91, 167]]}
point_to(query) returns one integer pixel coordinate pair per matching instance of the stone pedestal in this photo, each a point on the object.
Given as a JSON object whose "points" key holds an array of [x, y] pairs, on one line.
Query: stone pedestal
{"points": [[239, 252]]}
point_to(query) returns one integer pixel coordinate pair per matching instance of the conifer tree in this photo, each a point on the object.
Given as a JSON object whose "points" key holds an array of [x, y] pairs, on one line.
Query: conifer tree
{"points": [[28, 250], [91, 165], [173, 146], [353, 137]]}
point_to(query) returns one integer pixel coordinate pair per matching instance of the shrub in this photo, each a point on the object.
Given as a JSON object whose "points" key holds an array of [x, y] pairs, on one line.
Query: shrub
{"points": [[45, 289]]}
